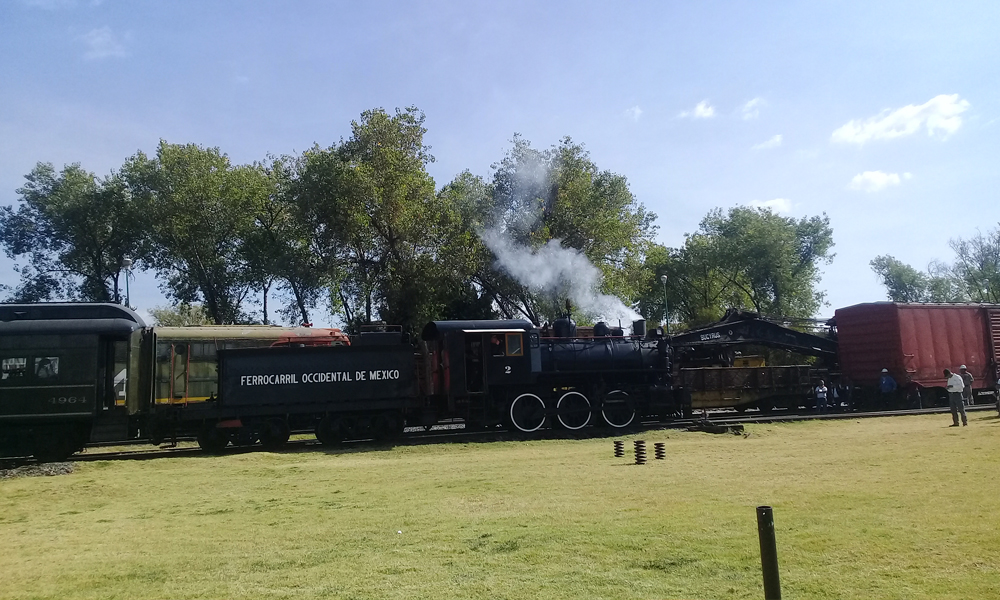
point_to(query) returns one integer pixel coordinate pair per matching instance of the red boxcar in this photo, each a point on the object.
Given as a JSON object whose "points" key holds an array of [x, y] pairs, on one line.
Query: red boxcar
{"points": [[916, 342]]}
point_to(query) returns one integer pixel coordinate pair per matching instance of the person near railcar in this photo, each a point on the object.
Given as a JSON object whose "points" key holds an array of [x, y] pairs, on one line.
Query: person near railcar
{"points": [[955, 387], [821, 393], [967, 379], [887, 389]]}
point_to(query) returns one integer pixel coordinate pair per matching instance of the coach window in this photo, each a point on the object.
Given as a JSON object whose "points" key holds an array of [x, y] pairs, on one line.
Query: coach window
{"points": [[13, 368], [514, 347], [46, 367]]}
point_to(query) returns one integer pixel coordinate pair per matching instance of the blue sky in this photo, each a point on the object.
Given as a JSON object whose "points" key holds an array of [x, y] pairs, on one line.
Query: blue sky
{"points": [[885, 116]]}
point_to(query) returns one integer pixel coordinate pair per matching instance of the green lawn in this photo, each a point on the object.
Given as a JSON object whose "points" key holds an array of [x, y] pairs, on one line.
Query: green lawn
{"points": [[900, 507]]}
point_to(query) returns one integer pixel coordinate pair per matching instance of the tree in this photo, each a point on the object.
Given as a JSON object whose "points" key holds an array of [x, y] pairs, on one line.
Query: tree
{"points": [[181, 315], [973, 277], [557, 196], [747, 258], [902, 282], [76, 231], [369, 205], [771, 261], [977, 266], [278, 247], [202, 210], [464, 261]]}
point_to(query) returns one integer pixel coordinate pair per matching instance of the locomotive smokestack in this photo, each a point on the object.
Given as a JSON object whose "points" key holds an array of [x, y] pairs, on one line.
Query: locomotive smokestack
{"points": [[569, 309], [639, 328]]}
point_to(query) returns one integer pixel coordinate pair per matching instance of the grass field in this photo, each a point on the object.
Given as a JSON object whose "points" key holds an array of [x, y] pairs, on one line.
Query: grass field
{"points": [[900, 507]]}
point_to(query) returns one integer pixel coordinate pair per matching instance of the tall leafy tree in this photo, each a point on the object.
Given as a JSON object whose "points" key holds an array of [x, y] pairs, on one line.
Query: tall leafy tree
{"points": [[536, 196], [746, 258], [973, 277], [181, 315], [977, 266], [772, 261], [279, 247], [75, 232], [464, 288], [902, 282], [202, 210], [370, 207]]}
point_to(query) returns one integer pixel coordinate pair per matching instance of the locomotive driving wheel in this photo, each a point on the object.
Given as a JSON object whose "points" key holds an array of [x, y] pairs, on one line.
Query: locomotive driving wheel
{"points": [[573, 410], [618, 411], [527, 413]]}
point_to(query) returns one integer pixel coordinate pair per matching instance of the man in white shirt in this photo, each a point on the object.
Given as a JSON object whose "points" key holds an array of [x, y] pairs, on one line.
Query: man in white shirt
{"points": [[955, 387], [821, 392]]}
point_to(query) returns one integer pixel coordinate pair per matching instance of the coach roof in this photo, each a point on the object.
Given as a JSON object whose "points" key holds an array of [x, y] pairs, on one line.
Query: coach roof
{"points": [[65, 317], [436, 329]]}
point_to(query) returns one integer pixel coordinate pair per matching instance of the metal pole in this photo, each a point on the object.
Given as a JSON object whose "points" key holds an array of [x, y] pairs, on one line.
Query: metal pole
{"points": [[666, 309], [768, 553], [127, 265]]}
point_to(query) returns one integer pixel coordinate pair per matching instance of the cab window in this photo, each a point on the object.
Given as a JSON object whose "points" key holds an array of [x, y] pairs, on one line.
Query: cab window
{"points": [[496, 345], [514, 347]]}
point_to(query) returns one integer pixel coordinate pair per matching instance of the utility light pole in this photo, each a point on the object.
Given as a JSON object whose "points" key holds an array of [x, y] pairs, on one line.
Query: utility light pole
{"points": [[666, 311], [127, 264]]}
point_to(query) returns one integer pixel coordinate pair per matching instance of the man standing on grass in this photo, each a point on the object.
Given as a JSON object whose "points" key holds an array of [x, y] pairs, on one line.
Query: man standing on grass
{"points": [[967, 381], [955, 387], [821, 392]]}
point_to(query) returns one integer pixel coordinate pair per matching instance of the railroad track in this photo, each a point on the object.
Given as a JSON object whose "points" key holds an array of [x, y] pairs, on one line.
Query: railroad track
{"points": [[456, 433]]}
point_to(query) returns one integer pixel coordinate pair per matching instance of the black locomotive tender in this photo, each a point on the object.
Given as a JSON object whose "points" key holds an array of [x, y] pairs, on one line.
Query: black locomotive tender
{"points": [[79, 373]]}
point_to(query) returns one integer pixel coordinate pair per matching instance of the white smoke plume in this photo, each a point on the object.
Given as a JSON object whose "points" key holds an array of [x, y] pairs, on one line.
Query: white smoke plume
{"points": [[561, 272]]}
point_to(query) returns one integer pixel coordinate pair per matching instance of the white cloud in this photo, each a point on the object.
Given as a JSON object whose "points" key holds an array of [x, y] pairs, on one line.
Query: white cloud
{"points": [[874, 181], [940, 114], [703, 110], [771, 143], [633, 113], [778, 205], [751, 110], [102, 43]]}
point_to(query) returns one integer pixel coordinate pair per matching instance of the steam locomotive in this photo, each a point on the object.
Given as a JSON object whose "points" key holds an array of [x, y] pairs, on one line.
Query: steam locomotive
{"points": [[76, 373]]}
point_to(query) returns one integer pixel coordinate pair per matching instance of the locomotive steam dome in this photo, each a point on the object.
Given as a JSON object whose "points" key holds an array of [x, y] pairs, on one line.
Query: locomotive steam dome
{"points": [[564, 327]]}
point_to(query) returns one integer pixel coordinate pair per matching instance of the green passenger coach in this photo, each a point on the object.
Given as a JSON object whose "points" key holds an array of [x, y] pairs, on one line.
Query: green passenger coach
{"points": [[69, 374]]}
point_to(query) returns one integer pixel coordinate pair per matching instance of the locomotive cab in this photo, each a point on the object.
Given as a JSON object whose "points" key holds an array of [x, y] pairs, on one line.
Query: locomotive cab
{"points": [[473, 361]]}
